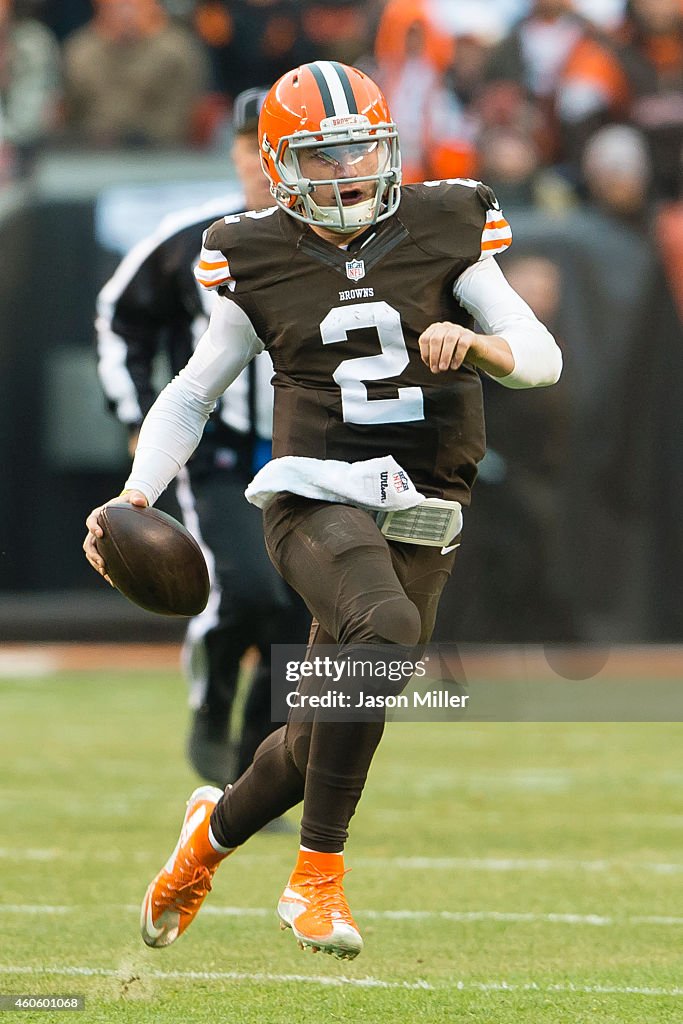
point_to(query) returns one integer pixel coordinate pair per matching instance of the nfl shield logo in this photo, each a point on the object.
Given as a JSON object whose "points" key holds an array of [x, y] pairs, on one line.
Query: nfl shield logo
{"points": [[355, 269]]}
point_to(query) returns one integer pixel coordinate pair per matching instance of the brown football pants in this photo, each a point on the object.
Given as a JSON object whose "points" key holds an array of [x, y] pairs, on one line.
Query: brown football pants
{"points": [[361, 590]]}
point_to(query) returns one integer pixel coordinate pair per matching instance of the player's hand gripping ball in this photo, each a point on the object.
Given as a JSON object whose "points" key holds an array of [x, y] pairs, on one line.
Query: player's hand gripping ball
{"points": [[153, 560]]}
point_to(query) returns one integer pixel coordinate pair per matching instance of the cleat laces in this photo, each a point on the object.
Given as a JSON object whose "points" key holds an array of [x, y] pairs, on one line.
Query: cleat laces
{"points": [[330, 898], [195, 884]]}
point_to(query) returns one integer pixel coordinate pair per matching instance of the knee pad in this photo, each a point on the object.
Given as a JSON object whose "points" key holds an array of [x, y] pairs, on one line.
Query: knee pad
{"points": [[396, 621]]}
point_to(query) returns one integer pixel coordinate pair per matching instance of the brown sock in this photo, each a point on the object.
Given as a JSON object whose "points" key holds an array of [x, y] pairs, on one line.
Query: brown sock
{"points": [[269, 787]]}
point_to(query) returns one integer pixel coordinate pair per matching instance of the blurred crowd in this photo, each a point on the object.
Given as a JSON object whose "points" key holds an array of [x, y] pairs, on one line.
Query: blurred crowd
{"points": [[499, 89], [572, 110]]}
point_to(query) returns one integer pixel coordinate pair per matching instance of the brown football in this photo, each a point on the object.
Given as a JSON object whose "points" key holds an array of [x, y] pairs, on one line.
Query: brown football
{"points": [[153, 560]]}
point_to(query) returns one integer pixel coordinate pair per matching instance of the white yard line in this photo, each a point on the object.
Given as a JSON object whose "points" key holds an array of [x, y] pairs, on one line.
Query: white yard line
{"points": [[493, 864], [30, 853], [27, 662], [457, 916], [523, 864], [35, 908], [337, 981]]}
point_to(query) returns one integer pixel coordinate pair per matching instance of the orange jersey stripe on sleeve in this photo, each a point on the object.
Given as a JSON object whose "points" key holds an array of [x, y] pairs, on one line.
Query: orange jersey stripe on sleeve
{"points": [[496, 236], [214, 284], [497, 243], [205, 265]]}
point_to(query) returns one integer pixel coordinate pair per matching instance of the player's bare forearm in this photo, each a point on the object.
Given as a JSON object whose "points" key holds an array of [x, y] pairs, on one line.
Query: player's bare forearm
{"points": [[445, 346], [492, 355]]}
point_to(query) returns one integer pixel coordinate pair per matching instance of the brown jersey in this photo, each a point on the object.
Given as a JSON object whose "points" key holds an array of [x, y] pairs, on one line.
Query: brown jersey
{"points": [[342, 328]]}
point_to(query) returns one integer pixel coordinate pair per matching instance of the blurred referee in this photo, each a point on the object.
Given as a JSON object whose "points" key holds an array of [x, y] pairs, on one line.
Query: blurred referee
{"points": [[153, 305]]}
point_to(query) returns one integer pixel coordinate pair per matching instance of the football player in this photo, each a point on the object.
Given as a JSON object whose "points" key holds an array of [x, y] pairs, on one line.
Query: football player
{"points": [[365, 295], [153, 303]]}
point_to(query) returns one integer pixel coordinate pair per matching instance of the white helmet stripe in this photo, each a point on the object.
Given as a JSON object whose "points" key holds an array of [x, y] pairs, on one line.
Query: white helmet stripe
{"points": [[341, 106]]}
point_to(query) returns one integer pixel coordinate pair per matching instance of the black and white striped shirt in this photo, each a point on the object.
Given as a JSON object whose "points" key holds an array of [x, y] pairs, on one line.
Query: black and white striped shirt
{"points": [[151, 305]]}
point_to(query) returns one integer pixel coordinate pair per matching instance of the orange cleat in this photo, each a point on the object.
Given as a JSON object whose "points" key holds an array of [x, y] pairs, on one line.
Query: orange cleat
{"points": [[173, 899], [314, 906]]}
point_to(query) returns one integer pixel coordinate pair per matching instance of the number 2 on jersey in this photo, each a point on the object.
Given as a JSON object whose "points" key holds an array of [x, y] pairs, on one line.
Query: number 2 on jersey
{"points": [[351, 374]]}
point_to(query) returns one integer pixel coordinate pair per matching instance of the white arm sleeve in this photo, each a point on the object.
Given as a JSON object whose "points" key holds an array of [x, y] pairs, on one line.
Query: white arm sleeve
{"points": [[174, 425], [484, 292]]}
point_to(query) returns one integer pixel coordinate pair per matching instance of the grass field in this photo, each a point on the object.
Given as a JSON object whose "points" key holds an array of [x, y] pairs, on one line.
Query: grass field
{"points": [[502, 873]]}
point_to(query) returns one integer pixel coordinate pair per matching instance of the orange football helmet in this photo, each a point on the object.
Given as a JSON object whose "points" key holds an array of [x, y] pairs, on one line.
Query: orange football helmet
{"points": [[326, 127]]}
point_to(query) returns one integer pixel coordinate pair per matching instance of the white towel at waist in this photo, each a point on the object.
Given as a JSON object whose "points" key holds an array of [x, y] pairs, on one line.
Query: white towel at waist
{"points": [[374, 484]]}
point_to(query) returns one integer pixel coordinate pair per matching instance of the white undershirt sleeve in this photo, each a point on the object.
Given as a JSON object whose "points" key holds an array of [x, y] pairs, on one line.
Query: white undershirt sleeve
{"points": [[174, 425], [485, 293]]}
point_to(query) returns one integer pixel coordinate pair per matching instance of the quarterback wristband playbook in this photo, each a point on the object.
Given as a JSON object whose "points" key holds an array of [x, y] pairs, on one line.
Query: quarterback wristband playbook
{"points": [[434, 523]]}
